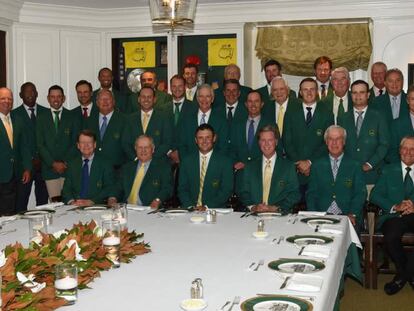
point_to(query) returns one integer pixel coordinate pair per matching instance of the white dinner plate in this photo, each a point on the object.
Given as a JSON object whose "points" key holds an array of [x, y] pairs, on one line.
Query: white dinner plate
{"points": [[176, 211], [95, 208], [276, 305], [139, 208], [222, 210]]}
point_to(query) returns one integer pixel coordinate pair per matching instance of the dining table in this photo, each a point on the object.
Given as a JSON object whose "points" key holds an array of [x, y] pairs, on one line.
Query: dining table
{"points": [[231, 262]]}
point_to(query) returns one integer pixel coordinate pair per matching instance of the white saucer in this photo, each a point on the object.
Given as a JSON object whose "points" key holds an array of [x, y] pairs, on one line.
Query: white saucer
{"points": [[193, 304], [197, 219], [139, 208], [176, 211], [260, 234]]}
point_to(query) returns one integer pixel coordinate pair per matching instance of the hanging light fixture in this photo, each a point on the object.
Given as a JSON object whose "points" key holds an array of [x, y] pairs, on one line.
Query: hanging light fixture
{"points": [[172, 13]]}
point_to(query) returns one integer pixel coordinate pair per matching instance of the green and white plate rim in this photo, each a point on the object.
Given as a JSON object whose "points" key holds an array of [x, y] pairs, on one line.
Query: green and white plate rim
{"points": [[277, 264], [300, 238], [267, 303], [320, 220]]}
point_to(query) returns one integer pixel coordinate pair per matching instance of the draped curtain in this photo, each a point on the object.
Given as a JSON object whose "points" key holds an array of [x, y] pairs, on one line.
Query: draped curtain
{"points": [[296, 47]]}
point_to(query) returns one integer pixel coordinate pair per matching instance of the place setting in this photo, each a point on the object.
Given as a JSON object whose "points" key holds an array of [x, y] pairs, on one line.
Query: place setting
{"points": [[270, 302]]}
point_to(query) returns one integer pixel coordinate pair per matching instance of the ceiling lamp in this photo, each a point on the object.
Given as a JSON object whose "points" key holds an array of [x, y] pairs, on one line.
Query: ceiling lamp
{"points": [[172, 13]]}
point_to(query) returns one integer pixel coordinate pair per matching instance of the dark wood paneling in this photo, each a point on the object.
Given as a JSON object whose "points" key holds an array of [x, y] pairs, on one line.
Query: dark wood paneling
{"points": [[3, 68]]}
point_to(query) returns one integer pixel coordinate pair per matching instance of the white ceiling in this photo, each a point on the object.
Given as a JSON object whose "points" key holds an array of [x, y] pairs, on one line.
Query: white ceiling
{"points": [[110, 4]]}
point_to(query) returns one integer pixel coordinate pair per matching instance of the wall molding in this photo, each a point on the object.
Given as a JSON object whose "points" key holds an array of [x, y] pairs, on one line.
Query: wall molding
{"points": [[10, 9]]}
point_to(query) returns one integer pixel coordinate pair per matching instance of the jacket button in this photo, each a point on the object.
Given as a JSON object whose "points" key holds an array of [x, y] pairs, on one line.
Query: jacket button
{"points": [[358, 149], [100, 149]]}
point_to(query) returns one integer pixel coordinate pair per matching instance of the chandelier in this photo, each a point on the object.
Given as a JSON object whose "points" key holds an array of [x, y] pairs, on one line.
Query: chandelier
{"points": [[172, 13]]}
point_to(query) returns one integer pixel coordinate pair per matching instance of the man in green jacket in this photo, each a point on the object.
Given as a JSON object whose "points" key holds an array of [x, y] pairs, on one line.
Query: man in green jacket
{"points": [[337, 183], [368, 136], [270, 182], [28, 112], [15, 154], [394, 194], [89, 178], [87, 108], [206, 176], [378, 72], [145, 181], [56, 141]]}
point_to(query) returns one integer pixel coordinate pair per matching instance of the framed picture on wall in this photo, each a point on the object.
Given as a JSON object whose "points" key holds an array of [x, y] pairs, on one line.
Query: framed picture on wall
{"points": [[163, 54], [410, 74]]}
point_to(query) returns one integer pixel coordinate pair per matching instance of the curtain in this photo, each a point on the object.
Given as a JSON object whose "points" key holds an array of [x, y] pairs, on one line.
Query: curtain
{"points": [[296, 47]]}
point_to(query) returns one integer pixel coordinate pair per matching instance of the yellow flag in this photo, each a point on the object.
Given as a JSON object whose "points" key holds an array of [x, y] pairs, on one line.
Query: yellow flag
{"points": [[139, 54], [222, 52]]}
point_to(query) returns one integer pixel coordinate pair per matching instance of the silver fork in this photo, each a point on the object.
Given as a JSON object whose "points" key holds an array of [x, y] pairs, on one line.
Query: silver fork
{"points": [[261, 263], [236, 301]]}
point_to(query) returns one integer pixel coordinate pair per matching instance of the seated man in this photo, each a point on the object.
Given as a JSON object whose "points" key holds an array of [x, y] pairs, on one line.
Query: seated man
{"points": [[337, 183], [145, 181], [270, 183], [206, 176], [89, 178], [394, 193]]}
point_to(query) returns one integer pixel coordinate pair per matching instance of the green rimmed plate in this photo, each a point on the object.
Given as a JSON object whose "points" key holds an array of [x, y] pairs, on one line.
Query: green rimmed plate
{"points": [[320, 220], [292, 265], [309, 239], [276, 303]]}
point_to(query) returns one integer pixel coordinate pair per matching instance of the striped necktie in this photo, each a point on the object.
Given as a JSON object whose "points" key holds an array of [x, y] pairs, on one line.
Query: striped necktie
{"points": [[202, 176], [267, 179], [9, 129], [334, 208]]}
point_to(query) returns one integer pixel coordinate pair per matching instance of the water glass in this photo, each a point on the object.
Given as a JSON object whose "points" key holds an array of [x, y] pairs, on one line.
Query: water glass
{"points": [[66, 282], [37, 224], [120, 213], [112, 241]]}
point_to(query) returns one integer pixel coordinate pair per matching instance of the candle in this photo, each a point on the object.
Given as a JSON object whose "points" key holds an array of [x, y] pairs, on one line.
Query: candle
{"points": [[111, 240], [66, 283]]}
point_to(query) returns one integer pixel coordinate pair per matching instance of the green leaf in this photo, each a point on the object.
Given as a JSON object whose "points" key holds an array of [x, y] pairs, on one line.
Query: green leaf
{"points": [[25, 297], [12, 285]]}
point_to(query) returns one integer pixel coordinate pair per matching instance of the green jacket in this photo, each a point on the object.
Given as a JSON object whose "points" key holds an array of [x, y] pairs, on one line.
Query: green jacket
{"points": [[121, 100], [372, 143], [55, 146], [13, 161], [159, 128], [157, 182], [284, 187], [399, 128], [329, 100], [383, 105], [80, 120], [186, 141], [162, 100], [218, 181], [239, 114], [101, 181], [110, 147], [348, 189], [302, 142], [389, 191]]}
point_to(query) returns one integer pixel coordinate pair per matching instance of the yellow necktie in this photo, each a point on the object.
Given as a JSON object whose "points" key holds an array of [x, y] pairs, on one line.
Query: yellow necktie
{"points": [[202, 175], [139, 177], [189, 94], [267, 178], [145, 122], [280, 118], [9, 130]]}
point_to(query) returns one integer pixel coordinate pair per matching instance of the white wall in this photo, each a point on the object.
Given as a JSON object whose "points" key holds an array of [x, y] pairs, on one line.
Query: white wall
{"points": [[62, 45]]}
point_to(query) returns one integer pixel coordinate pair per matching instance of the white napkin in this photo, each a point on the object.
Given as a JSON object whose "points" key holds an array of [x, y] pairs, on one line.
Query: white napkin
{"points": [[311, 213], [6, 219], [50, 205], [318, 251], [304, 283], [138, 208], [354, 235], [333, 229]]}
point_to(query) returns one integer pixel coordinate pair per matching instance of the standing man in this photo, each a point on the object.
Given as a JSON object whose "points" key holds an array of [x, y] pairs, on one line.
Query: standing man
{"points": [[86, 107], [149, 121], [145, 181], [392, 104], [270, 183], [378, 72], [272, 69], [204, 114], [394, 193], [108, 125], [368, 136], [190, 74], [231, 72], [15, 154], [340, 100], [322, 67], [206, 176], [303, 130], [89, 178], [28, 113], [337, 183], [106, 78], [56, 139]]}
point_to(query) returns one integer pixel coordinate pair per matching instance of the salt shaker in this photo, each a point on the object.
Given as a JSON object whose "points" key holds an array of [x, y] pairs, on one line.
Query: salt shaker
{"points": [[213, 216], [209, 216], [195, 291], [260, 226], [200, 287]]}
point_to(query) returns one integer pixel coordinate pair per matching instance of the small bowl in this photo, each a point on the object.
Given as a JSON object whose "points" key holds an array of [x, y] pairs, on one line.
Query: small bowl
{"points": [[260, 234], [197, 219]]}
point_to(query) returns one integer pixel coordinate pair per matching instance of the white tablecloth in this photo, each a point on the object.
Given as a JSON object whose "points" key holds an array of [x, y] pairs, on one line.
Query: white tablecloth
{"points": [[182, 251]]}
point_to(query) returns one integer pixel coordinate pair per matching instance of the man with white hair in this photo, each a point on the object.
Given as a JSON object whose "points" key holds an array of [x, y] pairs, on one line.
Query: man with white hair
{"points": [[337, 183], [378, 72]]}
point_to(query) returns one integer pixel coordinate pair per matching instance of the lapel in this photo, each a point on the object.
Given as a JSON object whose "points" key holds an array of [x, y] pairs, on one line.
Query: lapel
{"points": [[77, 173], [138, 121], [277, 170], [93, 174], [149, 172], [317, 116], [209, 170], [342, 169], [110, 126], [196, 172], [258, 176], [152, 124], [365, 123], [3, 132]]}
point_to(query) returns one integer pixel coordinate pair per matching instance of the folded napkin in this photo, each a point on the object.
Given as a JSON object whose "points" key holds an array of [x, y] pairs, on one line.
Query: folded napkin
{"points": [[304, 283], [333, 229], [311, 213], [318, 251], [50, 205], [354, 235], [6, 219], [138, 208]]}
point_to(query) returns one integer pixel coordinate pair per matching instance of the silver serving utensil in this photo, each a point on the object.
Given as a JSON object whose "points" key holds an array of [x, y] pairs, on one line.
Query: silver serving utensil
{"points": [[225, 305], [285, 282], [236, 301], [261, 263]]}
